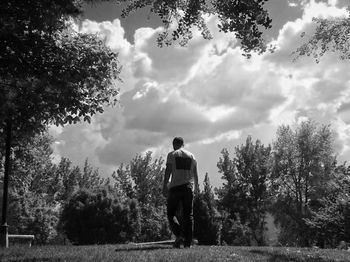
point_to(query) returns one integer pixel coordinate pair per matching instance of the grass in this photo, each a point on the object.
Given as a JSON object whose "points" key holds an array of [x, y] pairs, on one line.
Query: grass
{"points": [[158, 253]]}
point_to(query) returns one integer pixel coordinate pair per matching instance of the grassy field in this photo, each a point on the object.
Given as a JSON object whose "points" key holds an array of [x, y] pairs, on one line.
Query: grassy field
{"points": [[166, 253]]}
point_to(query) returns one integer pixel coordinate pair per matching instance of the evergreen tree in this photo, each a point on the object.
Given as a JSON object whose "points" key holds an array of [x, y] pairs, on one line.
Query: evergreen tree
{"points": [[207, 220]]}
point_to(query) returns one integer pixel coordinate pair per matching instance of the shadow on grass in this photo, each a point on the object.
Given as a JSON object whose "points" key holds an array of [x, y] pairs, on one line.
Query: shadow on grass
{"points": [[292, 257], [37, 260], [143, 248]]}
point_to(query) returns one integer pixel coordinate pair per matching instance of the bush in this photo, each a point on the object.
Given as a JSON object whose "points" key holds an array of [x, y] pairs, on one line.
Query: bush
{"points": [[235, 233], [207, 225], [330, 224], [29, 213], [98, 217], [155, 225]]}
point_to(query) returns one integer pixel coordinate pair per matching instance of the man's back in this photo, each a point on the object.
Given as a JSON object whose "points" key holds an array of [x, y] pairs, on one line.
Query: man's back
{"points": [[183, 166]]}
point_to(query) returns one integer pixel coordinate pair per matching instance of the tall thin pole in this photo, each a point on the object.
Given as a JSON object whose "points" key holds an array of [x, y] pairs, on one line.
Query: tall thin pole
{"points": [[4, 226]]}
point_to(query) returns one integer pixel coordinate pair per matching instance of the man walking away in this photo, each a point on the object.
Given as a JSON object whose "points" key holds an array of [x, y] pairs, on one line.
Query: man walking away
{"points": [[181, 166]]}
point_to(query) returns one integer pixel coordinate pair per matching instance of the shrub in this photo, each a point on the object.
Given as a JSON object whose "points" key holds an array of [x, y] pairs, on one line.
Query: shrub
{"points": [[98, 217], [207, 225]]}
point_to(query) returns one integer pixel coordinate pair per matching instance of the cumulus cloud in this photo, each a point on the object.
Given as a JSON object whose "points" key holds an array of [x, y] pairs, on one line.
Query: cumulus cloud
{"points": [[210, 94], [112, 32]]}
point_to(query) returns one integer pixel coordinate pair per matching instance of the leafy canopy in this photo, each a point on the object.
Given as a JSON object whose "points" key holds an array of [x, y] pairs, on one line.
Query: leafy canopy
{"points": [[244, 18], [331, 35], [49, 72], [303, 163], [244, 194]]}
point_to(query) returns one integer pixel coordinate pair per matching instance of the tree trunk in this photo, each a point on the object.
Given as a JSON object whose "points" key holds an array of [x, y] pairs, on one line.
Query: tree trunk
{"points": [[4, 226]]}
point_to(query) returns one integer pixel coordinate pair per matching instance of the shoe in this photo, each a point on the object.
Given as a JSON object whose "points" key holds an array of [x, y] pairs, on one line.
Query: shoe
{"points": [[178, 241], [187, 244]]}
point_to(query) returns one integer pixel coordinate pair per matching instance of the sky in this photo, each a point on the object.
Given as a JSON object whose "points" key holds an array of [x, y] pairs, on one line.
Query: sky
{"points": [[207, 92]]}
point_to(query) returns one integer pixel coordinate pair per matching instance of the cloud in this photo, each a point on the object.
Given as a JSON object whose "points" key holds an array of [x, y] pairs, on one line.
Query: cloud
{"points": [[292, 4], [344, 112], [210, 94], [112, 32]]}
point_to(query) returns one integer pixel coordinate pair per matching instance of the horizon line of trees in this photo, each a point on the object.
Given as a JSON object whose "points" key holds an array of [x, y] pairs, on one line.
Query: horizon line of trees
{"points": [[296, 179]]}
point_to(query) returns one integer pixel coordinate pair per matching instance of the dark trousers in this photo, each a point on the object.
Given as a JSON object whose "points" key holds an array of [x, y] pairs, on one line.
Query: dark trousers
{"points": [[181, 196]]}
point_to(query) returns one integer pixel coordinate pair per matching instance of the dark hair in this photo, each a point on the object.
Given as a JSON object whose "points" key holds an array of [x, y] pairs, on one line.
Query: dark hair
{"points": [[179, 141]]}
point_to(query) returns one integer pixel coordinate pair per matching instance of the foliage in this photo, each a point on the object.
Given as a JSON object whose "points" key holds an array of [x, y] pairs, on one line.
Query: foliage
{"points": [[243, 18], [330, 221], [303, 164], [123, 182], [331, 35], [142, 180], [63, 181], [244, 194], [29, 213], [32, 163], [207, 220], [310, 204], [234, 232], [147, 175], [39, 188], [49, 72], [98, 217]]}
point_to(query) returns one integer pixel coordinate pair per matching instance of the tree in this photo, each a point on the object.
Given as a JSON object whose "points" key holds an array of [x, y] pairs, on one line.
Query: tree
{"points": [[147, 175], [32, 209], [49, 72], [331, 35], [40, 188], [243, 18], [330, 220], [32, 163], [245, 193], [89, 178], [142, 180], [207, 222], [31, 213], [303, 164], [63, 181], [123, 182]]}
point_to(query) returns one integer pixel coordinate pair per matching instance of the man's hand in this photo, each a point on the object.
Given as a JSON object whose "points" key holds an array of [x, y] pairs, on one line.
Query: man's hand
{"points": [[166, 179]]}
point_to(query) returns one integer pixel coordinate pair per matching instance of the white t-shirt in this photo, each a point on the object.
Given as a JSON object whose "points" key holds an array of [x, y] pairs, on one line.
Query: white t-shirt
{"points": [[183, 167]]}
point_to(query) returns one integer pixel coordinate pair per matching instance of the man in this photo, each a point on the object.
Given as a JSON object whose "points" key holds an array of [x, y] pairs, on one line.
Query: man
{"points": [[182, 167]]}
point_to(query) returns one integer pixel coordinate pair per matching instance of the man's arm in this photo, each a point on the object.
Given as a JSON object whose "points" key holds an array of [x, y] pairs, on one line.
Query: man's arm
{"points": [[195, 177], [166, 179]]}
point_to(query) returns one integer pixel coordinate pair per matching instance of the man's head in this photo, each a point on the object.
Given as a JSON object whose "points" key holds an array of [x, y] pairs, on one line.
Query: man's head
{"points": [[178, 142]]}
